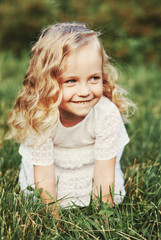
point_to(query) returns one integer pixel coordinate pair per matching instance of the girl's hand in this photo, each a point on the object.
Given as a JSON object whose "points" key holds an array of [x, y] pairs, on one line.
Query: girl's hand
{"points": [[104, 179], [45, 182]]}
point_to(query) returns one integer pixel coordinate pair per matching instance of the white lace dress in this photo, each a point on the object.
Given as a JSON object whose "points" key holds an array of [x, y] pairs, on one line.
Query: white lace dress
{"points": [[73, 150]]}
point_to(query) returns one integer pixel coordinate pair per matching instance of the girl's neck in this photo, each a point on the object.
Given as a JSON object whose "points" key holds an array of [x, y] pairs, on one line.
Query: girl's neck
{"points": [[68, 119]]}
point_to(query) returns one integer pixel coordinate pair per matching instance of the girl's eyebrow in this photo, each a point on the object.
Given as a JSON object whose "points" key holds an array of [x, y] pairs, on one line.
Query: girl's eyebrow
{"points": [[65, 77], [69, 77], [97, 73], [75, 76]]}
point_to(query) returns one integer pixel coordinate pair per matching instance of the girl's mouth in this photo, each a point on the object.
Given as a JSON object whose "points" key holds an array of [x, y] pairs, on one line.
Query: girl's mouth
{"points": [[81, 102]]}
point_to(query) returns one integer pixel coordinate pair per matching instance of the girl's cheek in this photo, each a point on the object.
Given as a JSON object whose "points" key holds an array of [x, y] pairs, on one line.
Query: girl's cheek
{"points": [[67, 93], [99, 90]]}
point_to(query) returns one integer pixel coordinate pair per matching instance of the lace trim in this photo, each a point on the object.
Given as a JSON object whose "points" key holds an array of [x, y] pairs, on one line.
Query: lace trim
{"points": [[111, 136]]}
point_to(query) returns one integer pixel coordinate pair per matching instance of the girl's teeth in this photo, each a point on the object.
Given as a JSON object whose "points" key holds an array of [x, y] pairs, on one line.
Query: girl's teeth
{"points": [[81, 102]]}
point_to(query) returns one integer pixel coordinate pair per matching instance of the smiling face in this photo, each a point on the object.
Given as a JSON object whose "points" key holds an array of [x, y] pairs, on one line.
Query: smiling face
{"points": [[81, 83]]}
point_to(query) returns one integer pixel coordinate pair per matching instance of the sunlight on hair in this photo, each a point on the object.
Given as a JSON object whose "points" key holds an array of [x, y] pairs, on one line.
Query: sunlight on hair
{"points": [[41, 95]]}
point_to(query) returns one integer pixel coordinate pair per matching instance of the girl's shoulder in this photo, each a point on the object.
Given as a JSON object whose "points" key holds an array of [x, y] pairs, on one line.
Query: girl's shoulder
{"points": [[109, 125], [105, 108], [106, 113]]}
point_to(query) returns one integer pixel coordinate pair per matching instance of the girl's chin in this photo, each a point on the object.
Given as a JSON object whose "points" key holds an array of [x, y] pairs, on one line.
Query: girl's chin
{"points": [[70, 120]]}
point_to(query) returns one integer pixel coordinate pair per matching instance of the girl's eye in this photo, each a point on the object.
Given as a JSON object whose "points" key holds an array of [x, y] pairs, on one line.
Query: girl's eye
{"points": [[95, 78], [71, 81]]}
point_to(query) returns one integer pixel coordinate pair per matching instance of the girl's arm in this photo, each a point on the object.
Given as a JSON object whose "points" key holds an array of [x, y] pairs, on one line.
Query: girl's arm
{"points": [[104, 177], [44, 177]]}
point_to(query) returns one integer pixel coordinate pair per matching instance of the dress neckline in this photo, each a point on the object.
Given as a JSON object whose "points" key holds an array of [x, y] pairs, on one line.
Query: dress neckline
{"points": [[76, 125], [81, 122]]}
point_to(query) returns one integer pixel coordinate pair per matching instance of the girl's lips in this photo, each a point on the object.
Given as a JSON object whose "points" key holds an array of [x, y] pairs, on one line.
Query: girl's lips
{"points": [[83, 102]]}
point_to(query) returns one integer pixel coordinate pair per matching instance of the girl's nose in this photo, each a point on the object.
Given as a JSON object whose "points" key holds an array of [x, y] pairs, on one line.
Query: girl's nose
{"points": [[83, 90]]}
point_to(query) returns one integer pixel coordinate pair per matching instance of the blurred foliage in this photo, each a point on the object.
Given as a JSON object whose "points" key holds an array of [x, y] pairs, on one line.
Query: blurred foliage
{"points": [[21, 22], [130, 29]]}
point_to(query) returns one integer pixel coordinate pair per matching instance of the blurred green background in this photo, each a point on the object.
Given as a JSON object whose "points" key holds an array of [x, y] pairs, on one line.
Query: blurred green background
{"points": [[130, 29], [131, 35]]}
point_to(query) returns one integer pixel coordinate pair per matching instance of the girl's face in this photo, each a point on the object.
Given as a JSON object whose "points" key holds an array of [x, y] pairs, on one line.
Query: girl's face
{"points": [[81, 84]]}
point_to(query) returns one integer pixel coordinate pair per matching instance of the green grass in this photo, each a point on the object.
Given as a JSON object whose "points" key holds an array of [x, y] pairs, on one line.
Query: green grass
{"points": [[138, 217]]}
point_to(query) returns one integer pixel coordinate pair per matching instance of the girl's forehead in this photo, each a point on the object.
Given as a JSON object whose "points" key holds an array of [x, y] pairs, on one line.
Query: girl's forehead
{"points": [[87, 58], [91, 44]]}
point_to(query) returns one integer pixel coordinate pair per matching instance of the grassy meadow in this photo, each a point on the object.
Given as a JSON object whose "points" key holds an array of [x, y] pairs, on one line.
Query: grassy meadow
{"points": [[139, 215]]}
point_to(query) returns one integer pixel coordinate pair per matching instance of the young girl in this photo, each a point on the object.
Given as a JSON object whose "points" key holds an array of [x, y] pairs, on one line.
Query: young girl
{"points": [[68, 119]]}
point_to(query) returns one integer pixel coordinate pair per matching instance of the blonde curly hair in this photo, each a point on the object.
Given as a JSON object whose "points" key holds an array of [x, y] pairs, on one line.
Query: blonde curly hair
{"points": [[37, 107]]}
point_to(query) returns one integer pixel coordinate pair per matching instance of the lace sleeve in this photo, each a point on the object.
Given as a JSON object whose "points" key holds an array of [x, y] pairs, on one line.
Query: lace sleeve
{"points": [[111, 136], [41, 155]]}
